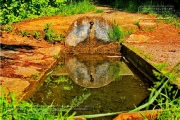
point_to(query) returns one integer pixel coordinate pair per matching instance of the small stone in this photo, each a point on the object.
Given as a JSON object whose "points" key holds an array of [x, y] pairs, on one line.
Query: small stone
{"points": [[130, 27], [172, 50], [137, 38], [147, 26], [26, 71]]}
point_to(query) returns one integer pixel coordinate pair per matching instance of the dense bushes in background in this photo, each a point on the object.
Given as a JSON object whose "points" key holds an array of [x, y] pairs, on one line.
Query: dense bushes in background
{"points": [[17, 10], [132, 5]]}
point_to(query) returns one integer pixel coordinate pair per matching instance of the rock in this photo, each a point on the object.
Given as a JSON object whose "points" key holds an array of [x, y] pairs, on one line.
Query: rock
{"points": [[78, 33], [83, 28], [137, 38], [14, 85], [50, 51], [130, 27], [26, 71], [147, 26]]}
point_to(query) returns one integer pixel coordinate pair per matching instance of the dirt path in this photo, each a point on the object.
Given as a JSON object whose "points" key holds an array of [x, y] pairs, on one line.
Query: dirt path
{"points": [[23, 67]]}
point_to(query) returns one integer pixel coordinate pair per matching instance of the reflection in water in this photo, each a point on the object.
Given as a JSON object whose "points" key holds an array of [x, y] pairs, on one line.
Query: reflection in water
{"points": [[111, 84], [92, 74]]}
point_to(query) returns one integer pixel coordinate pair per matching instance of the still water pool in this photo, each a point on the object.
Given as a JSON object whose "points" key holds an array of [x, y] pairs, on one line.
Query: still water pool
{"points": [[107, 84]]}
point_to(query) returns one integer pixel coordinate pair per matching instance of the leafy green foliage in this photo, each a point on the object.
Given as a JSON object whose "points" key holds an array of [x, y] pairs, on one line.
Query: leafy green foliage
{"points": [[77, 8], [164, 96], [17, 10], [127, 5], [176, 23], [169, 99], [131, 7], [148, 9], [161, 66]]}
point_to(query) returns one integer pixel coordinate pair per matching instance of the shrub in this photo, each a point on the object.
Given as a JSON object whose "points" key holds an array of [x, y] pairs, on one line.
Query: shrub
{"points": [[17, 10]]}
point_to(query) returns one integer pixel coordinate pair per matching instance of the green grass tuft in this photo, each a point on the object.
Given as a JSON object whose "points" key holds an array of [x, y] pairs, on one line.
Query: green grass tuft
{"points": [[7, 28], [115, 33], [12, 108], [99, 11], [36, 35], [50, 35]]}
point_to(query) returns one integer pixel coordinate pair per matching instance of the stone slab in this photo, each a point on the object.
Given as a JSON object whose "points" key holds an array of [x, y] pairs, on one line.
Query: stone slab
{"points": [[15, 85], [137, 38]]}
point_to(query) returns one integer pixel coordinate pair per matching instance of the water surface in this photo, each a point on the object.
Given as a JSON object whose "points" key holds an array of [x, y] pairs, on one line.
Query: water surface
{"points": [[110, 84]]}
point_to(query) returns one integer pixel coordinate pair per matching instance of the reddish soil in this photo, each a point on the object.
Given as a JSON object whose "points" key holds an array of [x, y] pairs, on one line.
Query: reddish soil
{"points": [[163, 45]]}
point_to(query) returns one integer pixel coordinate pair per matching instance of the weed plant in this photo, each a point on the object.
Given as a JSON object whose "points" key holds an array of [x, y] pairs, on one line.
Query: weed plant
{"points": [[164, 96], [36, 35], [161, 66], [24, 33], [49, 33], [137, 23], [169, 99], [21, 110], [7, 28]]}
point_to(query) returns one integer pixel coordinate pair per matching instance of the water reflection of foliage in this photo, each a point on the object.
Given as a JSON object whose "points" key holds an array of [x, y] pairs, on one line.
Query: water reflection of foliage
{"points": [[60, 79], [79, 99], [114, 69], [55, 81], [65, 83]]}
